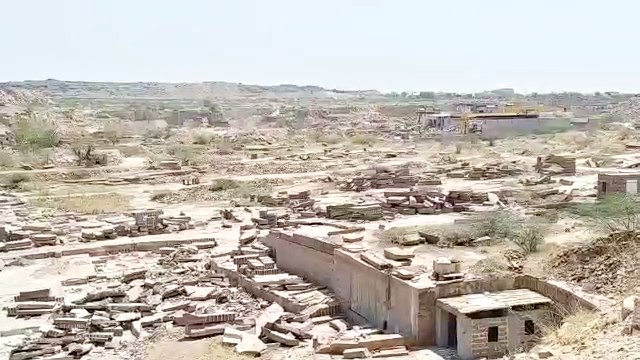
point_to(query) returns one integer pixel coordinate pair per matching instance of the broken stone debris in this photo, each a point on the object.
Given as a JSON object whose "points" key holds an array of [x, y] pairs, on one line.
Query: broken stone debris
{"points": [[22, 235], [201, 299]]}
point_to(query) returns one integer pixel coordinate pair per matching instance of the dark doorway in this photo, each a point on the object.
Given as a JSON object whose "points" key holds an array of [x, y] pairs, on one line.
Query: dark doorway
{"points": [[452, 330], [603, 187]]}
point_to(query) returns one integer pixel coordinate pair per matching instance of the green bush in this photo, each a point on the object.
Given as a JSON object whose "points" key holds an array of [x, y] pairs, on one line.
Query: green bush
{"points": [[34, 133], [528, 238], [14, 180], [224, 184]]}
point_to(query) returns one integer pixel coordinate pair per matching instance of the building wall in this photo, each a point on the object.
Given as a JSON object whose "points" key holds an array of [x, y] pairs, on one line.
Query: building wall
{"points": [[480, 346], [362, 289], [296, 258], [616, 183], [508, 127], [518, 339]]}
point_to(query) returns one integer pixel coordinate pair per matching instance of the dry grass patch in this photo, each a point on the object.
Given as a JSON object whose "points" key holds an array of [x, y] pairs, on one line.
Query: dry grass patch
{"points": [[85, 204], [364, 139], [576, 330]]}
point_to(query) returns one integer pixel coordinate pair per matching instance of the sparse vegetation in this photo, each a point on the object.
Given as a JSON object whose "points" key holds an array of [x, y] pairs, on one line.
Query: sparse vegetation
{"points": [[576, 330], [364, 139], [15, 180], [7, 159], [528, 237], [200, 137], [395, 235], [497, 225], [114, 131], [612, 213], [35, 133], [85, 204], [224, 184], [188, 155]]}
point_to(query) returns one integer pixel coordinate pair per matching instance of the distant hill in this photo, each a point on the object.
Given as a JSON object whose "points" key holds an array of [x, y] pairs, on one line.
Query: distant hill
{"points": [[209, 89]]}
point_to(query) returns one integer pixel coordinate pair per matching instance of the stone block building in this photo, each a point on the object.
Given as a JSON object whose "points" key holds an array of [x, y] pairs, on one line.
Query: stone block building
{"points": [[490, 324], [621, 182]]}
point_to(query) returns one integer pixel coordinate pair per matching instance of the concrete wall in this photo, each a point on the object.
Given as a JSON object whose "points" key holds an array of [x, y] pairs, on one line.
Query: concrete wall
{"points": [[509, 127], [564, 299], [518, 339], [364, 292], [362, 289], [297, 258]]}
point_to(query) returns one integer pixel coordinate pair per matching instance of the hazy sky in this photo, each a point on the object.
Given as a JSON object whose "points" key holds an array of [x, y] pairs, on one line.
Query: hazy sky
{"points": [[469, 45]]}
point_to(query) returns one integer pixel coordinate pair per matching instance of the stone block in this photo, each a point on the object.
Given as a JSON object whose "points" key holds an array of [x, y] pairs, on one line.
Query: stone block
{"points": [[357, 353]]}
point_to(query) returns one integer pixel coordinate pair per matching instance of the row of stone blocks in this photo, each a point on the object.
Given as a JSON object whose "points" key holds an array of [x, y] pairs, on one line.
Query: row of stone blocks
{"points": [[99, 249]]}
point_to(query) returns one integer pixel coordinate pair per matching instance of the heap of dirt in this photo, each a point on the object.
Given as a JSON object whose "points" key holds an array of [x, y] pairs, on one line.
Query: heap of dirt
{"points": [[608, 265], [626, 111]]}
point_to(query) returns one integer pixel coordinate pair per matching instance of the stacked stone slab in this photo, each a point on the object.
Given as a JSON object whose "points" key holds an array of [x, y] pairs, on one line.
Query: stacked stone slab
{"points": [[417, 200], [268, 219], [483, 172], [354, 212], [33, 234], [34, 303], [381, 178]]}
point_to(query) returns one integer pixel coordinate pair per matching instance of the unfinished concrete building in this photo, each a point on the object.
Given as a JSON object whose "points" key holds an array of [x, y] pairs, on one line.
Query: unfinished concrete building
{"points": [[621, 182], [490, 324], [385, 294]]}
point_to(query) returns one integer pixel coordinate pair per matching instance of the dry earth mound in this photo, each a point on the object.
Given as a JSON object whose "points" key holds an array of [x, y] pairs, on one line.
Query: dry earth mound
{"points": [[607, 265]]}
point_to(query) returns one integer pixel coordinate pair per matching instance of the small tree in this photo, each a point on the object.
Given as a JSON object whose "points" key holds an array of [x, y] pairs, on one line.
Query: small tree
{"points": [[528, 237], [614, 212]]}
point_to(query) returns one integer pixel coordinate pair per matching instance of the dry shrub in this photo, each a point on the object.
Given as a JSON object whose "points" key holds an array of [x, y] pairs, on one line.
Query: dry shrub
{"points": [[528, 238], [576, 330], [33, 132], [15, 180], [224, 184], [7, 159], [200, 137], [364, 139], [625, 133], [224, 147], [497, 225], [85, 204], [132, 150], [395, 235], [187, 155]]}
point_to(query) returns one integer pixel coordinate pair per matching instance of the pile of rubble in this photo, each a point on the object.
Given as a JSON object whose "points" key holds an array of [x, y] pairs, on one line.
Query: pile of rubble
{"points": [[383, 177], [487, 171], [626, 111], [607, 265], [71, 227], [418, 200], [97, 310], [283, 199]]}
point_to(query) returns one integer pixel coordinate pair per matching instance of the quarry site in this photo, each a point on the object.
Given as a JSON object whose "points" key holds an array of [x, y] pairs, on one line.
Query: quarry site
{"points": [[225, 221]]}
